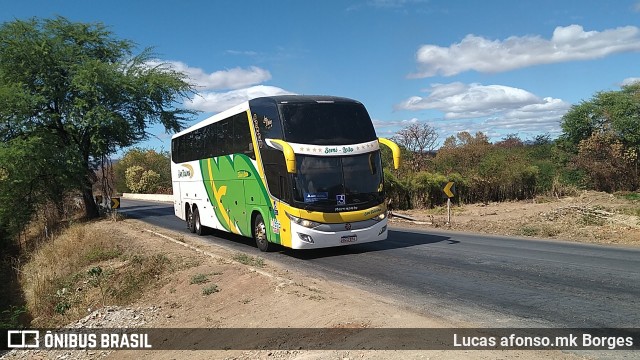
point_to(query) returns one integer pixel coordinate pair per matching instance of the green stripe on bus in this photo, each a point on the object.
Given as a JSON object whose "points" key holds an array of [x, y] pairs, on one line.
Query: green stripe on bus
{"points": [[240, 177]]}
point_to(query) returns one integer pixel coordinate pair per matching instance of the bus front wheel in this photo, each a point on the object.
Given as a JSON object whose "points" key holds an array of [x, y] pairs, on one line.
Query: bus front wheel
{"points": [[260, 234]]}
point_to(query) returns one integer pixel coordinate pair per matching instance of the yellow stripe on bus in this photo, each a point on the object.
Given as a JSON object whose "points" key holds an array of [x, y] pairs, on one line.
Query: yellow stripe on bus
{"points": [[336, 218], [256, 150]]}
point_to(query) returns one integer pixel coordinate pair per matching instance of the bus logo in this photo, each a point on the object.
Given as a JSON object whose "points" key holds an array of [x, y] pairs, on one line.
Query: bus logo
{"points": [[341, 199], [187, 172]]}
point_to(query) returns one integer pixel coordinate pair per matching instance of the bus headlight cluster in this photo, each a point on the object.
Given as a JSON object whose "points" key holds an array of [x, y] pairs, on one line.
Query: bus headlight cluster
{"points": [[381, 217], [303, 222], [306, 238]]}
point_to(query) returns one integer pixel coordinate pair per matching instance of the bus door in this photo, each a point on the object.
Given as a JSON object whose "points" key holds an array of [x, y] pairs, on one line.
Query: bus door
{"points": [[177, 200]]}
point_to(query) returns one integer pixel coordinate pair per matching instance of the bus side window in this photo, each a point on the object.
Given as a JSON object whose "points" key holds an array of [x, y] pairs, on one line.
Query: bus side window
{"points": [[275, 171], [268, 120], [242, 136]]}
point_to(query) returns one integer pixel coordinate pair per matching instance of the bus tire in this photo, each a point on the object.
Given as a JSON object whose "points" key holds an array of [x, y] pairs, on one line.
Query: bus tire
{"points": [[190, 223], [198, 228], [260, 234]]}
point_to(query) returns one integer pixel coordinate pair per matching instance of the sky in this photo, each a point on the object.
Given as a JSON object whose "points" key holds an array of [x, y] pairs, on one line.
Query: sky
{"points": [[497, 66]]}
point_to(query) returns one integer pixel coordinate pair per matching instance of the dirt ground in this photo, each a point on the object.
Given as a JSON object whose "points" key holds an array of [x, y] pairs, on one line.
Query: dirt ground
{"points": [[590, 217], [216, 288]]}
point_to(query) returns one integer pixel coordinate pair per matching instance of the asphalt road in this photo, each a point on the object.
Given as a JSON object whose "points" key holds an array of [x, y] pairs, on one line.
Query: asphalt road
{"points": [[487, 281]]}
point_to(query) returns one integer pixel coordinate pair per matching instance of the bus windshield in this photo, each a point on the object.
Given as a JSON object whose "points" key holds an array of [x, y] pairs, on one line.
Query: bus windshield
{"points": [[338, 183], [326, 123]]}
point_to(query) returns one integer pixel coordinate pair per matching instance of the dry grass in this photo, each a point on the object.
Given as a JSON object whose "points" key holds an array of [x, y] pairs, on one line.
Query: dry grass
{"points": [[87, 266], [248, 260], [589, 216]]}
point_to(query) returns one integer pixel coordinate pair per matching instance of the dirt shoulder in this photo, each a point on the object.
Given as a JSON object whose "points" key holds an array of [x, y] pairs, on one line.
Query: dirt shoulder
{"points": [[212, 287], [590, 217]]}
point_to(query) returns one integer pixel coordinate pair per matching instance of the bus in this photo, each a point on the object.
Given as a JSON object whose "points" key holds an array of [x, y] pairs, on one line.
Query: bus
{"points": [[299, 171]]}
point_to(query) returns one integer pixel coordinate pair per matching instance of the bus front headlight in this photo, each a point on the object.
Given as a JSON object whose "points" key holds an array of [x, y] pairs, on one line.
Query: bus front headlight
{"points": [[381, 217], [303, 222]]}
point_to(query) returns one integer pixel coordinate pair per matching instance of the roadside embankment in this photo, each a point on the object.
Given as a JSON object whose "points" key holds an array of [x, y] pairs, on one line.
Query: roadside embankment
{"points": [[130, 274]]}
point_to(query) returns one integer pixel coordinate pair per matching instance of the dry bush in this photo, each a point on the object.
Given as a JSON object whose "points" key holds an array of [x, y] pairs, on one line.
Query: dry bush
{"points": [[86, 267], [610, 166], [560, 189]]}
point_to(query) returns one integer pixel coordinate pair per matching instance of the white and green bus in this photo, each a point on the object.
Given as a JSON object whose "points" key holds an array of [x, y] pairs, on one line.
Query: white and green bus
{"points": [[299, 171]]}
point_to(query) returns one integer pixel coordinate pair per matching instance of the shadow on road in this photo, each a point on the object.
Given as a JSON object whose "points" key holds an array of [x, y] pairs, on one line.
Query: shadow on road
{"points": [[141, 212], [395, 240], [137, 207]]}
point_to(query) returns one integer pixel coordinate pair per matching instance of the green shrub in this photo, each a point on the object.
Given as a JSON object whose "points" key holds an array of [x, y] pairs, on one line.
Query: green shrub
{"points": [[213, 288], [199, 279]]}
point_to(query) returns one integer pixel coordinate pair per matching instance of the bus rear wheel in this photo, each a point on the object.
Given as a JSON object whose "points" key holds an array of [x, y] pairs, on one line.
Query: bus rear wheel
{"points": [[190, 223], [197, 225], [260, 234]]}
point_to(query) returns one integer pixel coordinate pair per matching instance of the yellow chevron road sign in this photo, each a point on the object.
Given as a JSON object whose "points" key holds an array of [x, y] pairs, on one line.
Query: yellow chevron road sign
{"points": [[449, 189], [115, 203]]}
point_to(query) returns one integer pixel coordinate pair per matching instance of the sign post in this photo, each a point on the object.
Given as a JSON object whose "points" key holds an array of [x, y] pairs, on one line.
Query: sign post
{"points": [[450, 191]]}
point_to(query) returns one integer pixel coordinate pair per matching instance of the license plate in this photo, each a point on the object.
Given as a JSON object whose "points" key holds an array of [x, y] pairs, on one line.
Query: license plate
{"points": [[349, 239]]}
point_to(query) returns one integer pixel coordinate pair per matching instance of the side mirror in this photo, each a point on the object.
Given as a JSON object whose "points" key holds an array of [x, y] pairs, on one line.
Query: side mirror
{"points": [[287, 150], [395, 150]]}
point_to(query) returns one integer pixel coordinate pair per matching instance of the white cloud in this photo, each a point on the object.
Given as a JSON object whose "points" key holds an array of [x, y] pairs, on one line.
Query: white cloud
{"points": [[220, 101], [568, 43], [393, 3], [492, 109], [394, 123], [541, 117], [629, 81], [241, 83], [241, 52], [389, 128], [235, 78], [459, 101]]}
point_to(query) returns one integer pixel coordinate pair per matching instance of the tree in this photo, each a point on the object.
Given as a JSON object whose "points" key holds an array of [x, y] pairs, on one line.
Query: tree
{"points": [[462, 153], [142, 181], [609, 121], [615, 111], [420, 140], [148, 160], [580, 122], [540, 140], [607, 162], [510, 141], [86, 88], [31, 174]]}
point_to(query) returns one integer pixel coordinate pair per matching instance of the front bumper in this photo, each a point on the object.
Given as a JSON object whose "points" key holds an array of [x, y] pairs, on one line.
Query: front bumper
{"points": [[331, 235]]}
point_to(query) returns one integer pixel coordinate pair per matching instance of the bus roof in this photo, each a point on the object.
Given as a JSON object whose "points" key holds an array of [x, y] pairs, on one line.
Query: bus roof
{"points": [[283, 99], [279, 99], [217, 117]]}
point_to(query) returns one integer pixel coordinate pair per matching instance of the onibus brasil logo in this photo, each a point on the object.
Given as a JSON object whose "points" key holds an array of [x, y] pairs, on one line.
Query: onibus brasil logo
{"points": [[82, 339]]}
